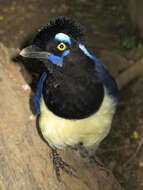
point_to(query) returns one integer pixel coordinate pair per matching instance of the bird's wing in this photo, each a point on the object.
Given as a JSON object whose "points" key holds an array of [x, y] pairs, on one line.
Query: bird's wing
{"points": [[104, 75], [38, 94], [107, 79]]}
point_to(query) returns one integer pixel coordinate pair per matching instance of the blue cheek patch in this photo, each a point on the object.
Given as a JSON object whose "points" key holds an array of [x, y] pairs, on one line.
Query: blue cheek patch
{"points": [[66, 52], [58, 60], [38, 94]]}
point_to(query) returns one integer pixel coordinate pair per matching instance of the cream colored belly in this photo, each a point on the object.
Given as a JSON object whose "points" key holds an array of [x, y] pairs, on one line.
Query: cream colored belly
{"points": [[60, 132]]}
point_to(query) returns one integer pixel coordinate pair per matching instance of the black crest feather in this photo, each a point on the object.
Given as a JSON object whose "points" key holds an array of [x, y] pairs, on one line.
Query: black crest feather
{"points": [[61, 24]]}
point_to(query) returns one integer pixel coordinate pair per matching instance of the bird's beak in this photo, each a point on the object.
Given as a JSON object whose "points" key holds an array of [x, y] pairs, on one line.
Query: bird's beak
{"points": [[34, 52]]}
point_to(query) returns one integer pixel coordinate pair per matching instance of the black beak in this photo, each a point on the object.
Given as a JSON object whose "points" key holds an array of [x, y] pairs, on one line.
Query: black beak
{"points": [[34, 52]]}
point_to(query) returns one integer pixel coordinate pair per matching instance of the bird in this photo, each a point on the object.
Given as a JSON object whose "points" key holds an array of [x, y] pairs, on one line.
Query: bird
{"points": [[76, 96]]}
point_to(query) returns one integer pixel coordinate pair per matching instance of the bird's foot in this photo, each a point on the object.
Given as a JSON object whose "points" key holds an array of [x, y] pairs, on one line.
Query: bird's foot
{"points": [[86, 155], [60, 164]]}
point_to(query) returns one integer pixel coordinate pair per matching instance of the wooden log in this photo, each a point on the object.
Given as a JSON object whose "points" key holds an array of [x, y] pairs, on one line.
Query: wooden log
{"points": [[130, 74], [25, 162]]}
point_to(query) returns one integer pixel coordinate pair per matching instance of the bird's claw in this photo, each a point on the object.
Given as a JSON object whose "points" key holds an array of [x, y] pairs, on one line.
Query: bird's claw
{"points": [[60, 164]]}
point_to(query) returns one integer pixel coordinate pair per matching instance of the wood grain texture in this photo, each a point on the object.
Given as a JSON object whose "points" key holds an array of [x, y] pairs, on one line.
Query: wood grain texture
{"points": [[25, 162]]}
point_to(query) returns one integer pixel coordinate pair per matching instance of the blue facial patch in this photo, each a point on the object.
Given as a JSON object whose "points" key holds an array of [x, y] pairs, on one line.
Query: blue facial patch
{"points": [[57, 60], [66, 52], [61, 37], [38, 94]]}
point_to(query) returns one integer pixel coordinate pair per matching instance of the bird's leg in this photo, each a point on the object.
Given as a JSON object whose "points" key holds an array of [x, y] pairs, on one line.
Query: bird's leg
{"points": [[88, 155], [82, 150], [60, 164]]}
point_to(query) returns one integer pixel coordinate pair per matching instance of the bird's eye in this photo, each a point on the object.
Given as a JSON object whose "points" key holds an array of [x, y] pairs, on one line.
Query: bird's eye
{"points": [[61, 46]]}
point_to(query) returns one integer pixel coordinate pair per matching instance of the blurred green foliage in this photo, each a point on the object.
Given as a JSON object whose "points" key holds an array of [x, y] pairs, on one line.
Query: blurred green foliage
{"points": [[130, 43]]}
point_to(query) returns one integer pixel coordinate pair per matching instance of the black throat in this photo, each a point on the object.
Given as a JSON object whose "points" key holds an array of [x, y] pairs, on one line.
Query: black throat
{"points": [[75, 90]]}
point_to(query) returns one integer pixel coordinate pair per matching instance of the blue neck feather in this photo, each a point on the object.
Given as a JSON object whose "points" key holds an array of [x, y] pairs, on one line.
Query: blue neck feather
{"points": [[38, 94], [104, 74]]}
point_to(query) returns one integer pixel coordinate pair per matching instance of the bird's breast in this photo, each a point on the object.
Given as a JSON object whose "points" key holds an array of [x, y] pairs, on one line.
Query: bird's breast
{"points": [[60, 132], [73, 97]]}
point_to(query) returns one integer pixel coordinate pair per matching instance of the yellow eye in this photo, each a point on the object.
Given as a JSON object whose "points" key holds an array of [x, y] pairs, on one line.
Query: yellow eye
{"points": [[61, 46]]}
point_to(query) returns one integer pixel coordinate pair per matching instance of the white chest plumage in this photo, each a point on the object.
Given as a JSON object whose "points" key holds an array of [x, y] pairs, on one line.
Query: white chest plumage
{"points": [[60, 132]]}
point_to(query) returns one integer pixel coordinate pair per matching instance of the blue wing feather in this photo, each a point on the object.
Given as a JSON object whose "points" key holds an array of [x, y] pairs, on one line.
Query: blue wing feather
{"points": [[107, 79], [38, 94], [104, 75]]}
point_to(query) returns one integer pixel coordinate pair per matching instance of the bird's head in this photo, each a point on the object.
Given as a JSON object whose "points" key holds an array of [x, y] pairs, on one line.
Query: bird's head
{"points": [[59, 39]]}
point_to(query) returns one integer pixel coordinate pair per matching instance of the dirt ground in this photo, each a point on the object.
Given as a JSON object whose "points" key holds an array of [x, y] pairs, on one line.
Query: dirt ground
{"points": [[112, 39]]}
